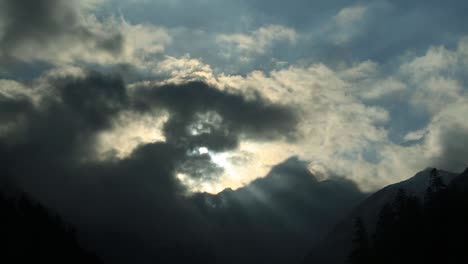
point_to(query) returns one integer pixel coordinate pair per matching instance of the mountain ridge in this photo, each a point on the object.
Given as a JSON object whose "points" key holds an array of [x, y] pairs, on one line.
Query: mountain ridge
{"points": [[288, 209], [340, 237]]}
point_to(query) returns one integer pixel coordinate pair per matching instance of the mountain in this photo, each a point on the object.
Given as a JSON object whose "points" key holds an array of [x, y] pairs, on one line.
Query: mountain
{"points": [[337, 244], [460, 183], [30, 233], [277, 218]]}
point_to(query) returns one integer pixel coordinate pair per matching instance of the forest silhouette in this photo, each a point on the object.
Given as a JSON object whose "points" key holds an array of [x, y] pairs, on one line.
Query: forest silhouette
{"points": [[409, 229], [30, 233], [413, 230]]}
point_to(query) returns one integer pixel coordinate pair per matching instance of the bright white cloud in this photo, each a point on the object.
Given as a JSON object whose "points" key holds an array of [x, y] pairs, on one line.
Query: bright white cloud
{"points": [[142, 42], [436, 77], [335, 128], [415, 135], [128, 131], [341, 129], [341, 132], [183, 69]]}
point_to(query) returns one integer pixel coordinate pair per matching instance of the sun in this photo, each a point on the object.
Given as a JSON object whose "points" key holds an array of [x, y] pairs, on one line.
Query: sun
{"points": [[220, 159], [251, 160]]}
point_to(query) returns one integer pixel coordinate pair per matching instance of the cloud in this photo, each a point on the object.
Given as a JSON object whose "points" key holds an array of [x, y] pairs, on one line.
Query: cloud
{"points": [[351, 117], [257, 42], [201, 115], [436, 77], [138, 109], [415, 135], [263, 47], [351, 15], [347, 24], [129, 130], [447, 137], [109, 120], [327, 31], [182, 69], [52, 30], [350, 114], [52, 155], [145, 38], [335, 126], [142, 42], [48, 33]]}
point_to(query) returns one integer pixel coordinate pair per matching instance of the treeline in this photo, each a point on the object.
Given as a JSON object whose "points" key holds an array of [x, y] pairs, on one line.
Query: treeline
{"points": [[414, 230], [30, 233]]}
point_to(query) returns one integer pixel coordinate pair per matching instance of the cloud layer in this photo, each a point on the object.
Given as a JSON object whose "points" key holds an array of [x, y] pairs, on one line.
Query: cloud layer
{"points": [[141, 103]]}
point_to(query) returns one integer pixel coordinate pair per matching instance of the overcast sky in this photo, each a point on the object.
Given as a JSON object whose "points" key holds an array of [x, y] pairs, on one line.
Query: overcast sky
{"points": [[373, 91]]}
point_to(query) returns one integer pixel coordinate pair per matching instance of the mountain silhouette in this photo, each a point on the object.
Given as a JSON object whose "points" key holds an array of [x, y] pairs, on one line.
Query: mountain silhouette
{"points": [[30, 233], [287, 211], [337, 244]]}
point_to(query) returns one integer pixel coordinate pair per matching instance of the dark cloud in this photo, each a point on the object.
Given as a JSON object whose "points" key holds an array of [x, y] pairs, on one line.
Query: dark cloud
{"points": [[201, 167], [59, 131], [11, 108], [135, 209], [64, 126], [137, 198], [27, 25], [203, 116]]}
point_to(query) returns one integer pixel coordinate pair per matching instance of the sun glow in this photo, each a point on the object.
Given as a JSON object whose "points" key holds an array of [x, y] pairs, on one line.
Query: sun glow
{"points": [[250, 161], [222, 160]]}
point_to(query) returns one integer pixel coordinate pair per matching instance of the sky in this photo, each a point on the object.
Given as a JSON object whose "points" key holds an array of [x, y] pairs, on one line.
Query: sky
{"points": [[373, 91], [242, 128]]}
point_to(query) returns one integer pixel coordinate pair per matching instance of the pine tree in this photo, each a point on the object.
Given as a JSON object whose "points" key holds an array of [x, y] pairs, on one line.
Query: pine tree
{"points": [[435, 181], [385, 241], [361, 252]]}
